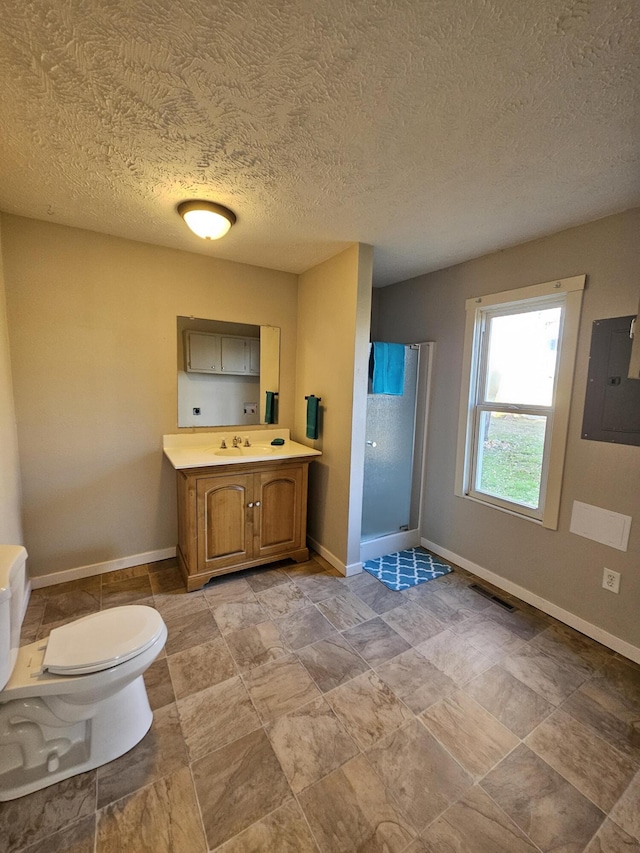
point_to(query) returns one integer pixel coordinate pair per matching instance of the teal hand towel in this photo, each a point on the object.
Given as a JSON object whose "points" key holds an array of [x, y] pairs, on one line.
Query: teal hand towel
{"points": [[388, 368], [312, 416], [270, 408]]}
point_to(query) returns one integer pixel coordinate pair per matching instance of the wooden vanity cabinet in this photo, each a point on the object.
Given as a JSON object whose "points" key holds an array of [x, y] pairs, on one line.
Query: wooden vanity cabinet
{"points": [[232, 517]]}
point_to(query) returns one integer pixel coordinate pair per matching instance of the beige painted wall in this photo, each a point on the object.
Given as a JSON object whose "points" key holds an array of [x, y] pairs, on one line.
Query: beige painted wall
{"points": [[92, 323], [334, 301], [10, 522], [559, 566]]}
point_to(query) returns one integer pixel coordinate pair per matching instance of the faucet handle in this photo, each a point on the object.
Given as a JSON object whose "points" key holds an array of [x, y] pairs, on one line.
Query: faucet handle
{"points": [[223, 444], [247, 443]]}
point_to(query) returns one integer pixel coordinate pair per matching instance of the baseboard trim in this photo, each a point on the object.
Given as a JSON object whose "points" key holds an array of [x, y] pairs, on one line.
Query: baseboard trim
{"points": [[599, 634], [343, 568], [102, 568]]}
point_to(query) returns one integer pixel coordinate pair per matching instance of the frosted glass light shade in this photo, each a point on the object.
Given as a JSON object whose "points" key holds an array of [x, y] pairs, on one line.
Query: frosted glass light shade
{"points": [[206, 218]]}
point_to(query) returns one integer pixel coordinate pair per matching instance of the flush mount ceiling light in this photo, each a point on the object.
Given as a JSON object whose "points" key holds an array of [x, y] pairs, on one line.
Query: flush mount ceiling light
{"points": [[206, 218]]}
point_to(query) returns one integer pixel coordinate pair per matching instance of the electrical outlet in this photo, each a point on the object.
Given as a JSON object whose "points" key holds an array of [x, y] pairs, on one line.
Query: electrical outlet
{"points": [[611, 580]]}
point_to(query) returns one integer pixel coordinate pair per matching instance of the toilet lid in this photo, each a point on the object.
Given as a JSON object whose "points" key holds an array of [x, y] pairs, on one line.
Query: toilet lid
{"points": [[102, 640]]}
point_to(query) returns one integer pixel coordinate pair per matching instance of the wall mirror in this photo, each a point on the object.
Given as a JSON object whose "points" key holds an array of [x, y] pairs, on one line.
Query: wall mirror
{"points": [[228, 373]]}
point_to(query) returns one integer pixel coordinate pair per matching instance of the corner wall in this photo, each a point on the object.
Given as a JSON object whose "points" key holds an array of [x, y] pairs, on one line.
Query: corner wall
{"points": [[92, 322], [334, 307], [557, 566], [10, 523]]}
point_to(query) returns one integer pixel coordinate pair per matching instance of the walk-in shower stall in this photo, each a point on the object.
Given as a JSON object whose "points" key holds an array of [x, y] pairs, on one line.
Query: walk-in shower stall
{"points": [[396, 436]]}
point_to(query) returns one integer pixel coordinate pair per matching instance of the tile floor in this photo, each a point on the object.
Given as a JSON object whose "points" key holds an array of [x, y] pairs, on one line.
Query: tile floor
{"points": [[295, 711]]}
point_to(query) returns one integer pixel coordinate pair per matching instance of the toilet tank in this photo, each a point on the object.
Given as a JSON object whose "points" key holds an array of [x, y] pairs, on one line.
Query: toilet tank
{"points": [[13, 603]]}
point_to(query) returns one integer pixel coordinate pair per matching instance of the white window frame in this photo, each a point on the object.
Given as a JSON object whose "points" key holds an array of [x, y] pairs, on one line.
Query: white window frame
{"points": [[568, 292]]}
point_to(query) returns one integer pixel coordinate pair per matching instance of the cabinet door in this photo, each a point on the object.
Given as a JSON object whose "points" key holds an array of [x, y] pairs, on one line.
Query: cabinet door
{"points": [[224, 531], [233, 355], [202, 352], [279, 511]]}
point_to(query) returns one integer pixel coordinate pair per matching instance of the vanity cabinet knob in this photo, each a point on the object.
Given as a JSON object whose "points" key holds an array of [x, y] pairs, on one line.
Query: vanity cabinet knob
{"points": [[250, 504], [257, 503]]}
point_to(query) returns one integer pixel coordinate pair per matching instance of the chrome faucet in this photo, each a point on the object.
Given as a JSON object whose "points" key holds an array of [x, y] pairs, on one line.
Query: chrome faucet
{"points": [[237, 441]]}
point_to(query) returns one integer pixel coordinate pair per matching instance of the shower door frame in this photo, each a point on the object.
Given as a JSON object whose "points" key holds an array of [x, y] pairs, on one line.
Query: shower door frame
{"points": [[391, 542]]}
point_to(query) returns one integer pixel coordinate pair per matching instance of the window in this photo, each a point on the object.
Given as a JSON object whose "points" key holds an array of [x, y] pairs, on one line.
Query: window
{"points": [[518, 369]]}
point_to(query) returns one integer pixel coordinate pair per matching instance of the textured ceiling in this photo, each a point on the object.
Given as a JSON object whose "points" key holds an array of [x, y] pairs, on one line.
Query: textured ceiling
{"points": [[435, 130]]}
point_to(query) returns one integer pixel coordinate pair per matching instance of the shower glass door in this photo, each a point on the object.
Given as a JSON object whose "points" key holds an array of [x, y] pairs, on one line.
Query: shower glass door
{"points": [[388, 465]]}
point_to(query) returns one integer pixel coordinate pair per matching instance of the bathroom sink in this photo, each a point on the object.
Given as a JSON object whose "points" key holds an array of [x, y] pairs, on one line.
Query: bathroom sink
{"points": [[202, 450]]}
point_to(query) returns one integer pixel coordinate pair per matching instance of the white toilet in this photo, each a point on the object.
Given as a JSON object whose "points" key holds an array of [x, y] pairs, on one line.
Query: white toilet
{"points": [[75, 700]]}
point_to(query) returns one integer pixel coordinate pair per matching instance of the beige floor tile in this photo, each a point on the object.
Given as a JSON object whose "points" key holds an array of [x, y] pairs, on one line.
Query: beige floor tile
{"points": [[492, 639], [612, 714], [310, 742], [305, 626], [368, 709], [283, 599], [254, 646], [158, 683], [331, 662], [216, 716], [509, 700], [280, 687], [454, 656], [458, 596], [415, 680], [228, 589], [350, 810], [167, 581], [611, 839], [72, 605], [572, 648], [345, 610], [554, 814], [235, 615], [319, 587], [551, 678], [475, 824], [303, 570], [28, 820], [161, 751], [179, 603], [378, 596], [524, 624], [77, 838], [419, 773], [413, 623], [592, 765], [472, 735], [124, 574], [425, 595], [200, 667], [626, 812], [375, 641], [283, 831], [190, 630], [265, 578], [162, 817], [238, 785], [132, 591]]}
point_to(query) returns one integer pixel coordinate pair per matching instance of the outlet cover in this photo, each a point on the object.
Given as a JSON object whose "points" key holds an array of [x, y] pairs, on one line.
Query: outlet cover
{"points": [[611, 580]]}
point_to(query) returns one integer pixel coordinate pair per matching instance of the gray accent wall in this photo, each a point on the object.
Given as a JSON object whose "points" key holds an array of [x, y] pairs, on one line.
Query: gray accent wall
{"points": [[556, 565]]}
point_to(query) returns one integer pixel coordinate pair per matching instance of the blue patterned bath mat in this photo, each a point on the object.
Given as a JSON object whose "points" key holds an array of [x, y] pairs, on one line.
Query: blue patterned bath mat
{"points": [[406, 568]]}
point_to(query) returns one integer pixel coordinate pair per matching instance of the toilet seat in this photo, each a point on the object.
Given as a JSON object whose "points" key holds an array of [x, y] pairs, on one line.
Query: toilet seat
{"points": [[102, 640]]}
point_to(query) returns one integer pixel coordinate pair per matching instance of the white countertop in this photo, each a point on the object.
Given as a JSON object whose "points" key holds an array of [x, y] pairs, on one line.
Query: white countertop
{"points": [[203, 449]]}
